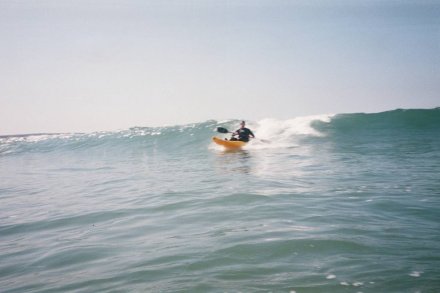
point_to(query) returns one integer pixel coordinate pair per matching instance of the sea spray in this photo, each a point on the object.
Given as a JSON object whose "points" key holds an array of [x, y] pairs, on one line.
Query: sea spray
{"points": [[275, 133]]}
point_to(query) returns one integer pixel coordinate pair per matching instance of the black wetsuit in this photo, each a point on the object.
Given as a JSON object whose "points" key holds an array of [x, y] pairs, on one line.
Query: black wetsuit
{"points": [[244, 133]]}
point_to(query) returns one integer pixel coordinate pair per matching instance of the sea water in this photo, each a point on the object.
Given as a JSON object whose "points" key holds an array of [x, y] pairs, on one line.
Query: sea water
{"points": [[330, 203]]}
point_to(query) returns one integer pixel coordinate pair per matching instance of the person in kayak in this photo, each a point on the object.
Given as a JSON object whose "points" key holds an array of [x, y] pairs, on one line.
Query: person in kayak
{"points": [[243, 133]]}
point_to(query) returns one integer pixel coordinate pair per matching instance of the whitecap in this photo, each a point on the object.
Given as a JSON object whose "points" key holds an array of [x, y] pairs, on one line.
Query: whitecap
{"points": [[415, 274]]}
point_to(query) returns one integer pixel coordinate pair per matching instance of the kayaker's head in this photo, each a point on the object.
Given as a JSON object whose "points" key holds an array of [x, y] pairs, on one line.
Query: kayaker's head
{"points": [[242, 124]]}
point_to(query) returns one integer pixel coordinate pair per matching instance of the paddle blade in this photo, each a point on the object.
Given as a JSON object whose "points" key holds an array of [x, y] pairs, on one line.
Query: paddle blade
{"points": [[222, 130]]}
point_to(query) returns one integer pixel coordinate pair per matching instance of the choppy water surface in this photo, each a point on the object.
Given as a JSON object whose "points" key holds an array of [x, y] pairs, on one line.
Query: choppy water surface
{"points": [[341, 203]]}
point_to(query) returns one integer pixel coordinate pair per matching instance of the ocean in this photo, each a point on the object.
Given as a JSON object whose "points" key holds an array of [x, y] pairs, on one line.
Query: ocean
{"points": [[327, 203]]}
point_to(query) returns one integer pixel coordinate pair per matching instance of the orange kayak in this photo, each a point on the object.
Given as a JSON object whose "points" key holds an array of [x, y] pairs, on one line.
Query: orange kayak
{"points": [[228, 144]]}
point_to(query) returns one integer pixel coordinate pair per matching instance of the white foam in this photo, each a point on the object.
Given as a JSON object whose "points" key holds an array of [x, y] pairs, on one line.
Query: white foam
{"points": [[275, 133], [415, 274]]}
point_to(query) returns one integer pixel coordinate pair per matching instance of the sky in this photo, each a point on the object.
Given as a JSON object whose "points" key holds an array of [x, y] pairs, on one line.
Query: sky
{"points": [[96, 65]]}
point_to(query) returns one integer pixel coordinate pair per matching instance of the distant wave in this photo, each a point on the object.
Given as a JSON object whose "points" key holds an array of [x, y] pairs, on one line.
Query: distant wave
{"points": [[281, 133]]}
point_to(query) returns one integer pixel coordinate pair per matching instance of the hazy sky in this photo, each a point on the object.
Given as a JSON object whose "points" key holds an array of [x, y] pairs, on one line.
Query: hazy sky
{"points": [[74, 65]]}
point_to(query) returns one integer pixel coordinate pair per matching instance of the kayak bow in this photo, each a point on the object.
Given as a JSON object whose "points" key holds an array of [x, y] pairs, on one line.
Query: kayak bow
{"points": [[228, 144]]}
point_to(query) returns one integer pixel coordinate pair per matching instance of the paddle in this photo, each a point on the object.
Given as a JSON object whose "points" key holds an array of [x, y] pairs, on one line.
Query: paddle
{"points": [[224, 130]]}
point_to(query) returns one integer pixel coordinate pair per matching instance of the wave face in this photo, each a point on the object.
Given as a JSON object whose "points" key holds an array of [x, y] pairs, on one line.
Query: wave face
{"points": [[327, 203], [405, 122], [398, 131], [164, 138]]}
